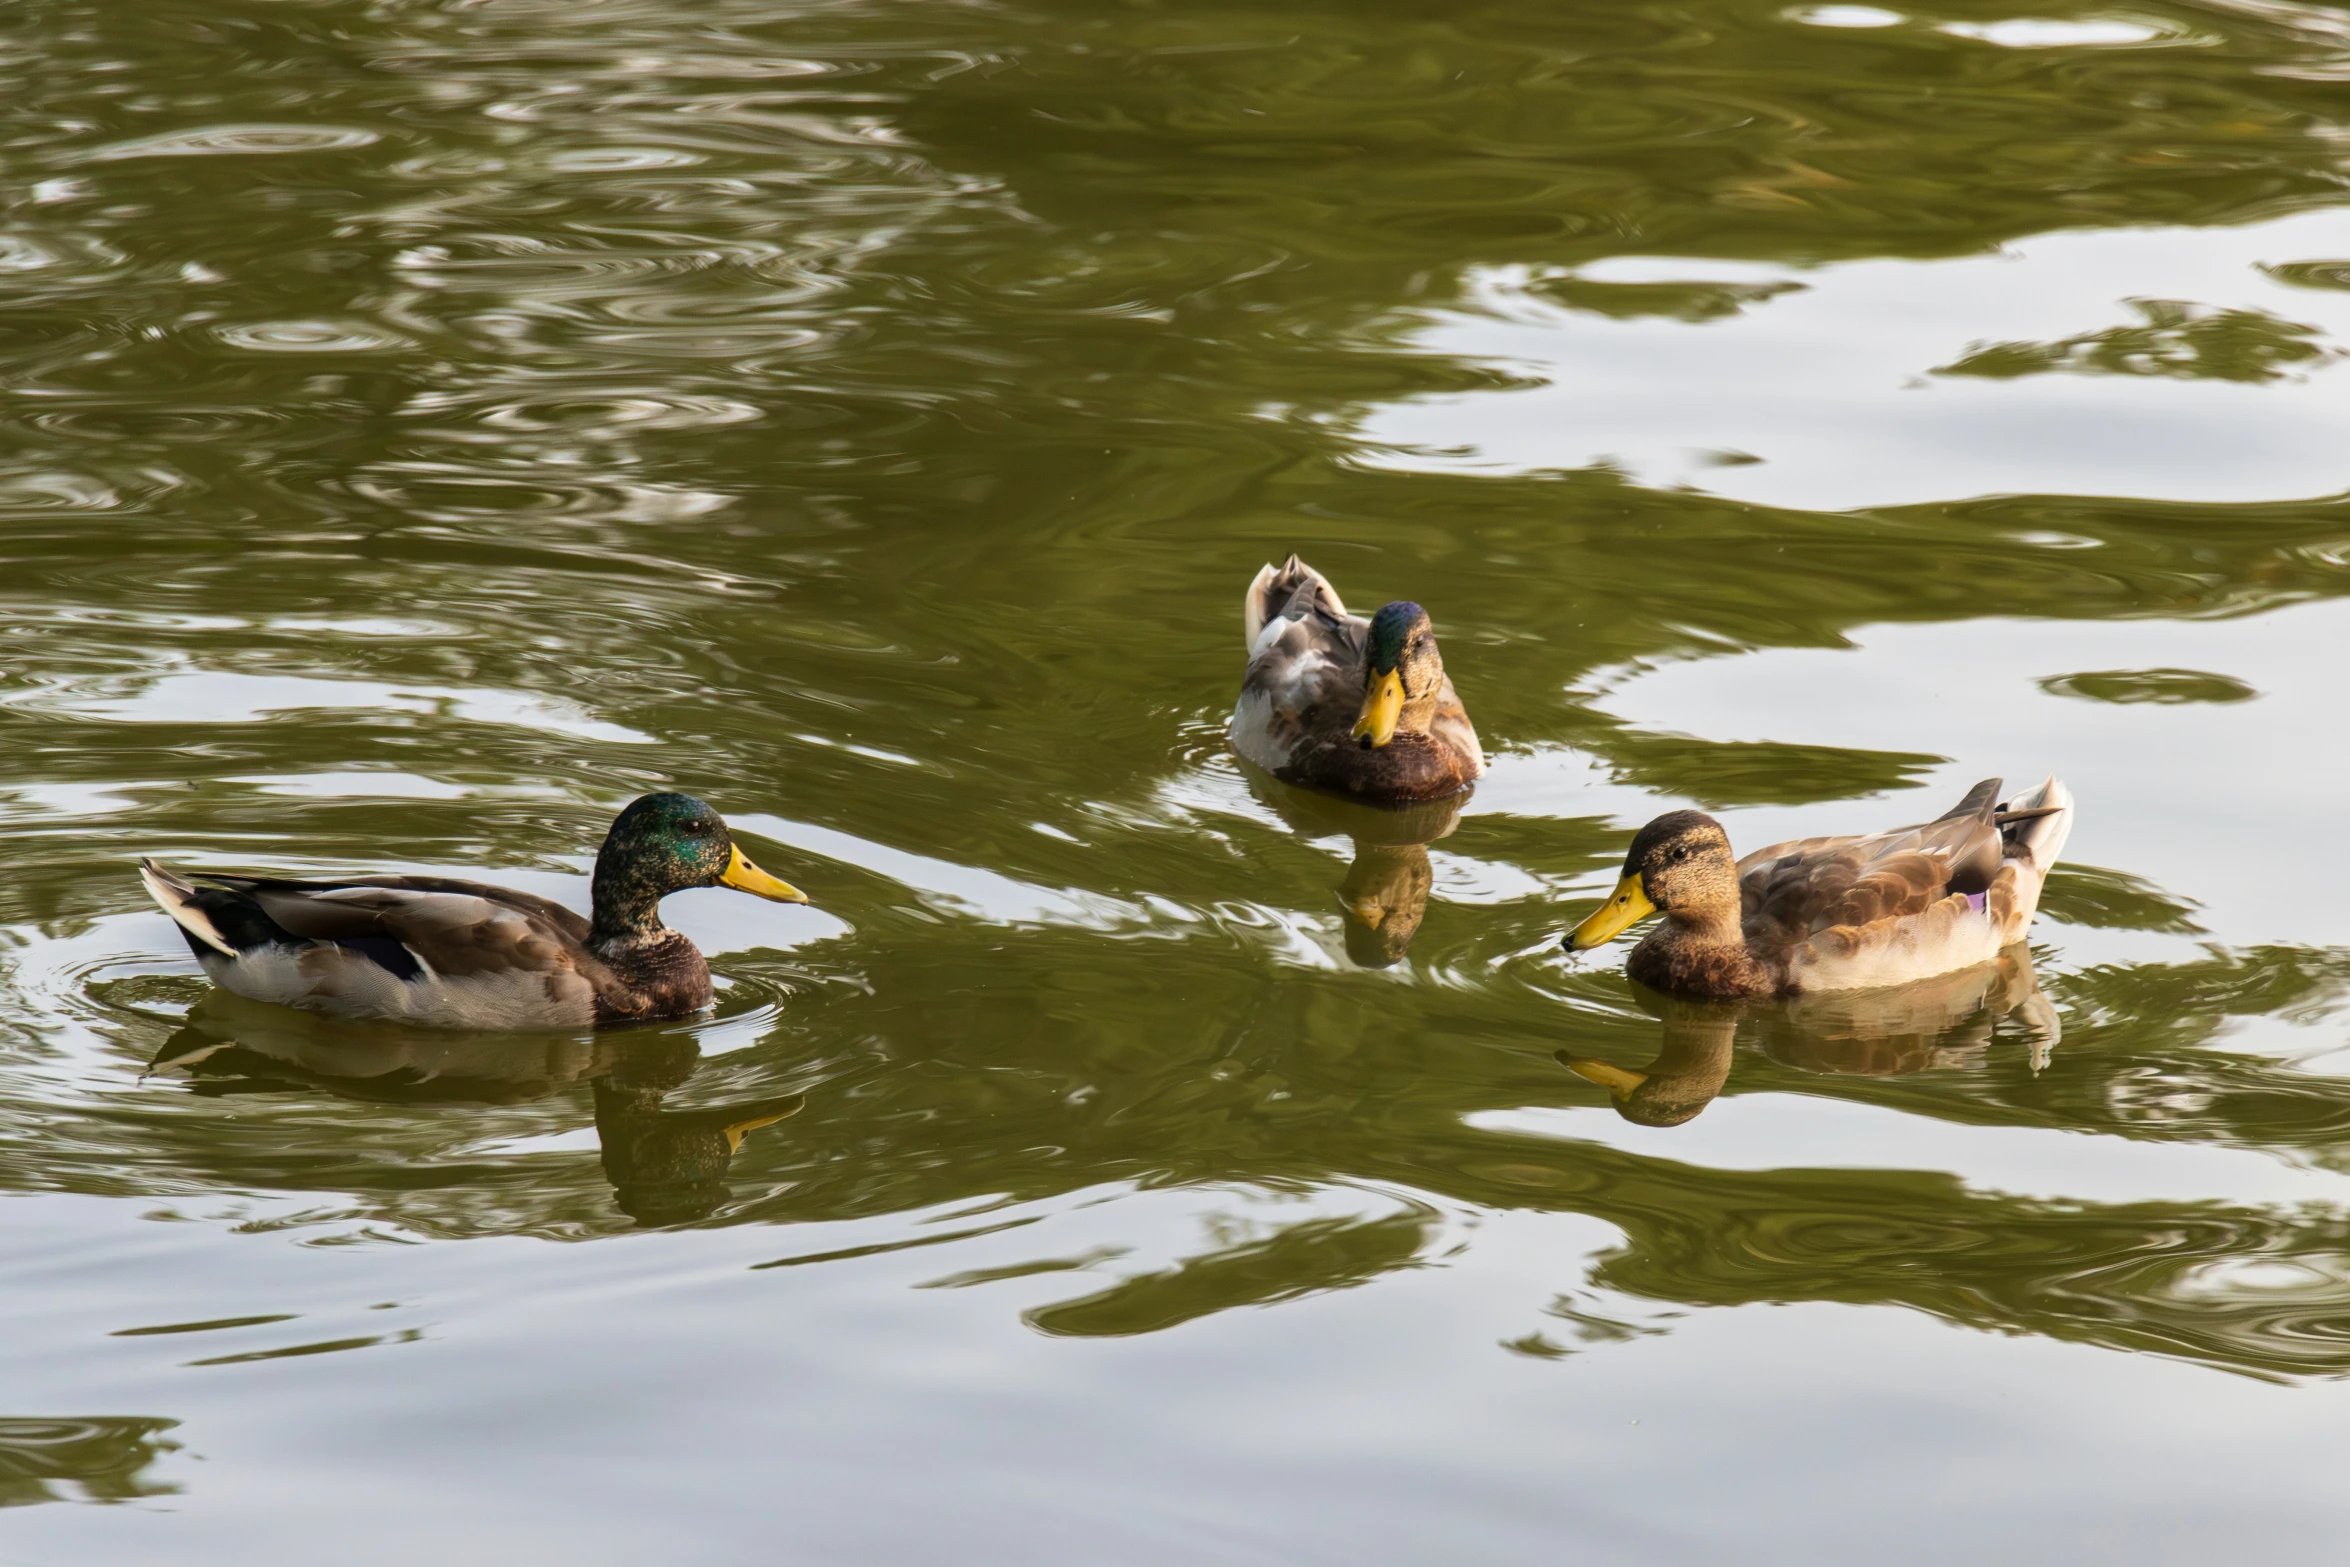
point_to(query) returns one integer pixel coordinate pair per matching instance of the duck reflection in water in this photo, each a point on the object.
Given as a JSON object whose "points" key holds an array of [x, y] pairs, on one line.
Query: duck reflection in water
{"points": [[1949, 1020], [1690, 1067], [666, 1166], [1384, 894]]}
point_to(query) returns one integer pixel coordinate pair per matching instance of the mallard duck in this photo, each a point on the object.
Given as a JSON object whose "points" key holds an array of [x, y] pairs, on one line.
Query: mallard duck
{"points": [[1337, 702], [447, 953], [1833, 913]]}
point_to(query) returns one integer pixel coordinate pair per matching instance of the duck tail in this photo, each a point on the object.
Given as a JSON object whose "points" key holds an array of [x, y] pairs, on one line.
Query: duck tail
{"points": [[1977, 801], [1274, 589], [2038, 822], [177, 896]]}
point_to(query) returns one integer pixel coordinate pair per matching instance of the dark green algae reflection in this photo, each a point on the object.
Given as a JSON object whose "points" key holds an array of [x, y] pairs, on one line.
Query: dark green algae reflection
{"points": [[428, 426]]}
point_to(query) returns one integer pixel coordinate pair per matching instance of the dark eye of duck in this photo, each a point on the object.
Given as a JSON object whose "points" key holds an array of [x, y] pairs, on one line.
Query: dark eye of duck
{"points": [[696, 829]]}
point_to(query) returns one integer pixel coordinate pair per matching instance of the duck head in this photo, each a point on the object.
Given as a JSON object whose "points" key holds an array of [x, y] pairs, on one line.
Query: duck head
{"points": [[1679, 866], [1402, 673], [665, 843]]}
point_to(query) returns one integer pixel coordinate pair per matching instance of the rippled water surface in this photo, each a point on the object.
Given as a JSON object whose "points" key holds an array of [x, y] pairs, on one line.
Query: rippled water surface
{"points": [[426, 424]]}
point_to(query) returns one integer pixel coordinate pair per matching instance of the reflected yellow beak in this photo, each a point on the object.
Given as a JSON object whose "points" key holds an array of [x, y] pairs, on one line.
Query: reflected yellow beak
{"points": [[1618, 1081], [1382, 707], [743, 876], [736, 1132], [1627, 906]]}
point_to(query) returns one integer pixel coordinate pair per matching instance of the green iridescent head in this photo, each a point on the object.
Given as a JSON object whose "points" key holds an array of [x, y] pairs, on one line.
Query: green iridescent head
{"points": [[665, 843], [1402, 672], [1391, 633]]}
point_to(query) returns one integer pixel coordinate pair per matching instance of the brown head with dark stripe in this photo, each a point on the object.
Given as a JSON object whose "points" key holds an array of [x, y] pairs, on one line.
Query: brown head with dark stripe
{"points": [[1679, 865]]}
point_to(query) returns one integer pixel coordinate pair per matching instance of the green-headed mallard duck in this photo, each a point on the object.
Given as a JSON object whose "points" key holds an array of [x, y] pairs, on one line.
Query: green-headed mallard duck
{"points": [[1337, 702], [447, 953], [1833, 913]]}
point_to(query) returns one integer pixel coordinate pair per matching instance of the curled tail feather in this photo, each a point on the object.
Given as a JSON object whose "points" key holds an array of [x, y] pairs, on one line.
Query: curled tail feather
{"points": [[1271, 592], [177, 897], [2038, 822]]}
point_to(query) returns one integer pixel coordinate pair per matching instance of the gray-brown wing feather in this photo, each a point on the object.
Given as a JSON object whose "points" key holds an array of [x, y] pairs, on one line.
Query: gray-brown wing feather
{"points": [[1304, 682], [570, 923], [452, 933], [1794, 890], [1312, 660], [457, 929]]}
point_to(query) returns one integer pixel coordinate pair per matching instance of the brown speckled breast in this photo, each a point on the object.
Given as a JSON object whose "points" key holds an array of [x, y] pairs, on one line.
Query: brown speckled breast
{"points": [[1684, 968], [666, 974], [1409, 767]]}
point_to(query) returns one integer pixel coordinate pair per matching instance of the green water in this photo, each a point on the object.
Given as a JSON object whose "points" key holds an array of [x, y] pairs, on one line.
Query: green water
{"points": [[424, 426]]}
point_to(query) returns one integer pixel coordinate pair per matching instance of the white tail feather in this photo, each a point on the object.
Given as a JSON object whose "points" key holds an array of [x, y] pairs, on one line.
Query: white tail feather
{"points": [[1252, 608], [173, 894], [1255, 611], [2044, 837]]}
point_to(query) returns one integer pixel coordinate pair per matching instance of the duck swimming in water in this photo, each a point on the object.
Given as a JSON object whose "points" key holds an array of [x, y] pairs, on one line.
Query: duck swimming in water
{"points": [[1334, 701], [446, 953], [1833, 913]]}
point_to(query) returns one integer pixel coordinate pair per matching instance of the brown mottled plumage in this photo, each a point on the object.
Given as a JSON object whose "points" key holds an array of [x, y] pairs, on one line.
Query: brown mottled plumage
{"points": [[1315, 675], [1833, 913]]}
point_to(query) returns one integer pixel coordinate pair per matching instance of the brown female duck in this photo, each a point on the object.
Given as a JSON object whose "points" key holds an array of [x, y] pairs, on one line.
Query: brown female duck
{"points": [[1334, 701], [1833, 913]]}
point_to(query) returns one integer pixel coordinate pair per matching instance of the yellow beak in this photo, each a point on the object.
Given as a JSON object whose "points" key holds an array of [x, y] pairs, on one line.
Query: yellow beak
{"points": [[1382, 706], [743, 876], [1615, 1079], [1626, 907]]}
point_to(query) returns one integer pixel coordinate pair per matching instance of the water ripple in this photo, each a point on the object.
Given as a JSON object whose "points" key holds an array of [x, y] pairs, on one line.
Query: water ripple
{"points": [[216, 141], [308, 337]]}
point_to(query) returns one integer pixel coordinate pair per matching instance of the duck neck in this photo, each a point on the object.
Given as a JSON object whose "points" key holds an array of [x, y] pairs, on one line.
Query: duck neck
{"points": [[627, 908], [1707, 927], [1698, 952]]}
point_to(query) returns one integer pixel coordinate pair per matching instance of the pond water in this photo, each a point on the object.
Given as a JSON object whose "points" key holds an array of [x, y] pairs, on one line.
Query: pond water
{"points": [[430, 423]]}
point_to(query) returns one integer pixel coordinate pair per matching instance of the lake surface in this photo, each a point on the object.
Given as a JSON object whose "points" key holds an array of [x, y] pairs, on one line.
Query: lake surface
{"points": [[428, 425]]}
